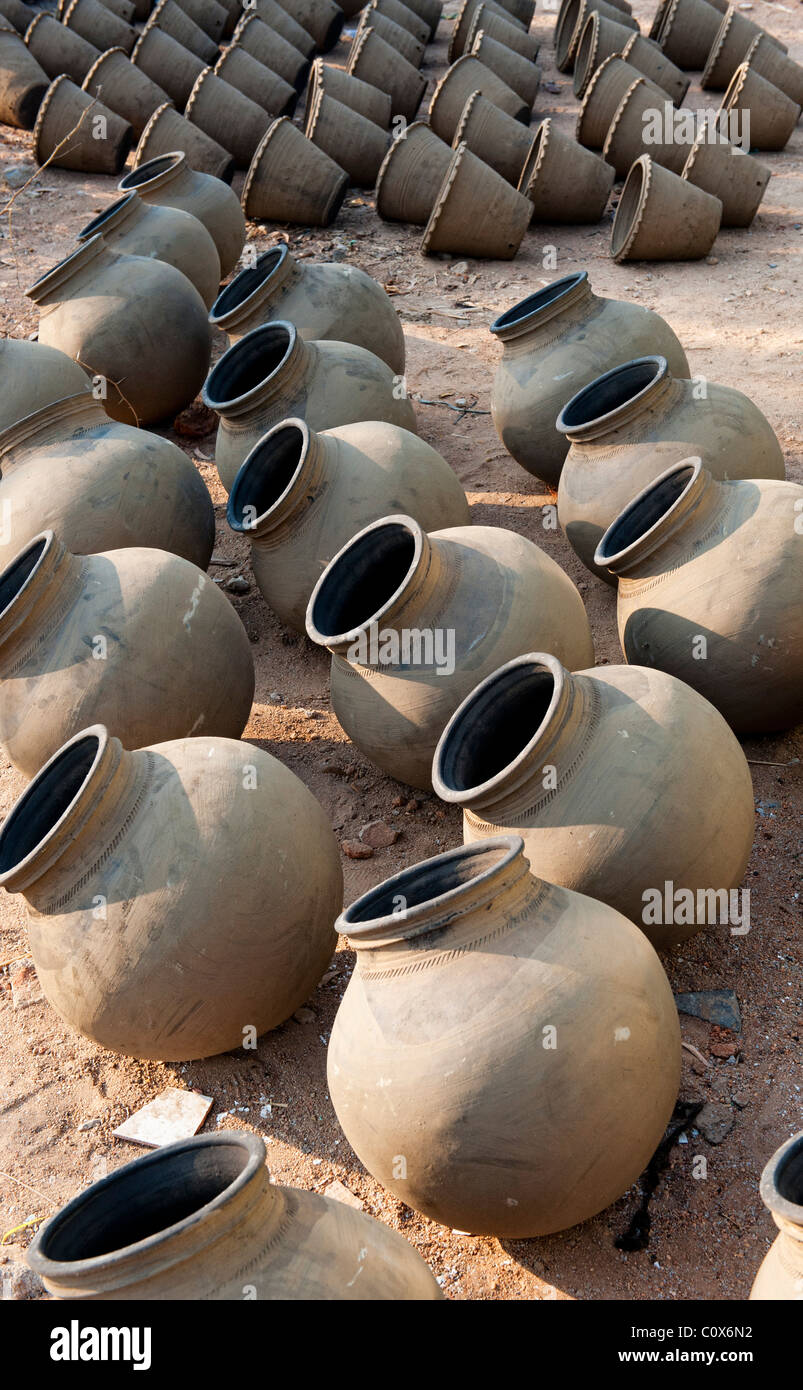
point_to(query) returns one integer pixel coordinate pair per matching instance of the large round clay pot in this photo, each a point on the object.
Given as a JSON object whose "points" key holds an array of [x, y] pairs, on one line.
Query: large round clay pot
{"points": [[507, 1053], [592, 770], [169, 181], [630, 424], [168, 63], [780, 1276], [167, 132], [272, 373], [415, 620], [127, 89], [139, 640], [133, 227], [201, 1219], [58, 49], [137, 323], [554, 342], [100, 485], [711, 590], [179, 895], [33, 376], [301, 495]]}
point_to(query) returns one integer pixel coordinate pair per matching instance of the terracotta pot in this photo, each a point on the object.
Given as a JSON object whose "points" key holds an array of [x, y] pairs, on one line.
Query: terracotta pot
{"points": [[415, 620], [599, 39], [504, 30], [167, 63], [768, 61], [33, 376], [226, 116], [356, 144], [272, 374], [466, 76], [553, 343], [320, 299], [639, 415], [657, 221], [198, 1213], [23, 83], [137, 639], [394, 34], [291, 180], [522, 76], [636, 119], [464, 20], [452, 1005], [736, 178], [349, 91], [715, 563], [688, 30], [208, 15], [301, 495], [322, 19], [564, 181], [167, 970], [168, 181], [169, 133], [18, 14], [170, 17], [99, 484], [780, 1276], [542, 753], [733, 39], [132, 227], [494, 137], [269, 48], [403, 15], [431, 11], [411, 175], [262, 86], [58, 49], [99, 26], [68, 111], [135, 322], [131, 94], [571, 21], [477, 212], [276, 18], [773, 115], [375, 62], [610, 83]]}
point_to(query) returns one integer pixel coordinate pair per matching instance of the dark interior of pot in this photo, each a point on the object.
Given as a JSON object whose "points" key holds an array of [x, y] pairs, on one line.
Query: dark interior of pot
{"points": [[45, 801], [266, 474], [629, 204], [423, 882], [363, 578], [583, 54], [99, 223], [244, 284], [609, 392], [17, 574], [150, 170], [535, 302], [495, 727], [566, 24], [643, 514], [247, 364]]}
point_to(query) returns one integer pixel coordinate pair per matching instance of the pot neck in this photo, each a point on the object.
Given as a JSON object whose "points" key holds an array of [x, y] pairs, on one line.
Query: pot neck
{"points": [[82, 267], [255, 290], [53, 421], [284, 382], [668, 518], [551, 310], [267, 527], [655, 397], [174, 174], [122, 216], [34, 591]]}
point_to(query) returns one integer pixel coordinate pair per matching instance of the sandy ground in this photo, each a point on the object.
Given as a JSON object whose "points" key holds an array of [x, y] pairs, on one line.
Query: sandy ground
{"points": [[739, 320]]}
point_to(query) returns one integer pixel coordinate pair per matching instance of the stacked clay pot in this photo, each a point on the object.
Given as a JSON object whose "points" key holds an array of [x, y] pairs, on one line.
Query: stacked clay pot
{"points": [[781, 1274]]}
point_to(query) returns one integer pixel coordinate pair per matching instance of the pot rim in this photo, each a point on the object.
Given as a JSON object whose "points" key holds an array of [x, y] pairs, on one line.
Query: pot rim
{"points": [[102, 220], [244, 345], [564, 423], [44, 541], [63, 269], [524, 314], [330, 577], [772, 1177], [623, 238], [171, 162], [251, 461], [274, 257], [608, 558]]}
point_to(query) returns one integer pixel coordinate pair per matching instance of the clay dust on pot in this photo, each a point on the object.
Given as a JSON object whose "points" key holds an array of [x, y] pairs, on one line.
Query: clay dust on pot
{"points": [[494, 137], [168, 64], [466, 76], [262, 86], [564, 181], [168, 132], [657, 221], [23, 83], [59, 50], [477, 212], [291, 180], [168, 181], [226, 116], [773, 115], [134, 228], [67, 111], [33, 376], [356, 144], [411, 175], [132, 95], [374, 61], [737, 179]]}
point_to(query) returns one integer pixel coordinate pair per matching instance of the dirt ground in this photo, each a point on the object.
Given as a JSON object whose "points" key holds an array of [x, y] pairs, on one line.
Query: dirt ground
{"points": [[738, 315]]}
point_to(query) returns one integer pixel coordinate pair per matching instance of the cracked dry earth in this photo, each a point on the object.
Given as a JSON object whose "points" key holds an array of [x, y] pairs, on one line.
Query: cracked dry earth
{"points": [[739, 320]]}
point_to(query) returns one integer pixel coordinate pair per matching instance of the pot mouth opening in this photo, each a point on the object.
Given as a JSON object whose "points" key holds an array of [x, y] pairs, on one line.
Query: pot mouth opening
{"points": [[47, 800], [249, 364], [362, 581], [495, 727], [583, 55], [267, 474], [646, 512], [244, 285], [567, 23], [18, 573], [629, 206], [527, 309], [782, 1181], [52, 277], [152, 169], [103, 218], [603, 398]]}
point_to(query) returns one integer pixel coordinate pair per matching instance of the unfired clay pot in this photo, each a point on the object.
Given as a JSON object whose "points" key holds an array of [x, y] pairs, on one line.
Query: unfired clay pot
{"points": [[208, 15], [464, 22], [58, 49], [554, 342], [321, 300], [430, 11], [629, 425], [514, 1043], [167, 132], [301, 495], [604, 92], [139, 640], [179, 895], [650, 60], [658, 220], [350, 91], [734, 37], [521, 75], [477, 212], [260, 84], [773, 115], [403, 15], [590, 769], [177, 23], [465, 76], [201, 1219], [405, 43], [564, 181], [138, 323], [126, 89], [481, 593], [34, 375], [494, 137], [269, 48], [504, 29], [174, 68], [277, 18], [374, 61], [17, 15], [571, 22], [323, 19], [99, 26], [688, 30], [636, 113], [23, 82], [780, 1276], [351, 140], [599, 39], [765, 58], [411, 175], [133, 227], [711, 590], [272, 373], [67, 111], [291, 180], [737, 179], [169, 181], [227, 116]]}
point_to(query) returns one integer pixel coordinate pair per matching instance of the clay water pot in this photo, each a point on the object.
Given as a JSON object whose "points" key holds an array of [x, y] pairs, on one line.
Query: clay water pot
{"points": [[262, 86], [494, 137], [411, 175], [430, 11], [780, 1276], [504, 31], [476, 213], [657, 221], [600, 38], [374, 61], [234, 121], [399, 38], [649, 59], [639, 415], [99, 484], [174, 21], [322, 19], [688, 30], [403, 16], [586, 768], [701, 561], [349, 91], [167, 63], [480, 593], [208, 15], [635, 116], [136, 322], [276, 18], [522, 76], [773, 115], [553, 343], [135, 228], [67, 111], [33, 376], [272, 374], [200, 1211], [321, 300], [466, 76], [356, 144], [137, 639], [564, 181], [301, 495], [58, 49], [729, 49], [768, 61], [450, 1005], [571, 21], [168, 181], [23, 83], [291, 180], [17, 14], [269, 48], [130, 93], [610, 83], [736, 178], [99, 26], [199, 936], [169, 133], [464, 20]]}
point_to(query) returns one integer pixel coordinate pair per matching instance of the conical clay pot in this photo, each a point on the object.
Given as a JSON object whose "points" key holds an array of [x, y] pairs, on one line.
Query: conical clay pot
{"points": [[301, 495], [464, 24], [33, 376], [431, 11], [167, 63], [128, 91], [464, 77], [394, 34], [494, 137], [163, 839], [228, 117], [688, 30], [17, 14], [353, 142], [133, 228], [68, 111], [276, 18], [269, 48], [439, 1051], [564, 181], [99, 484], [609, 84], [99, 26], [401, 14], [374, 61], [477, 213], [167, 133], [415, 620], [768, 61], [350, 91], [736, 178], [170, 17], [600, 38], [521, 75], [657, 221], [780, 1276], [168, 181], [553, 343], [521, 10], [321, 300], [773, 115], [649, 59], [272, 374], [587, 769], [628, 426], [135, 322], [23, 83], [504, 30], [137, 639], [411, 175], [291, 180], [184, 1222], [734, 37], [262, 86], [711, 590], [322, 19], [638, 118], [208, 15], [571, 22], [58, 49]]}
